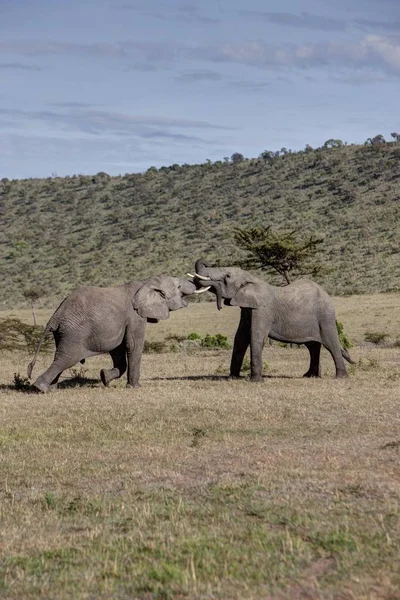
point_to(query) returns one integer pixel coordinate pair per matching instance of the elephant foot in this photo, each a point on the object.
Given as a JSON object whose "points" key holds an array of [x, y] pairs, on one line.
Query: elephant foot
{"points": [[235, 376], [133, 385], [256, 378], [342, 375], [104, 379], [41, 386], [312, 374]]}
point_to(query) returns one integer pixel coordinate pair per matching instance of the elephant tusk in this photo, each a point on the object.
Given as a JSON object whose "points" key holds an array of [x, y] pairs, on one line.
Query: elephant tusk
{"points": [[199, 277], [202, 290]]}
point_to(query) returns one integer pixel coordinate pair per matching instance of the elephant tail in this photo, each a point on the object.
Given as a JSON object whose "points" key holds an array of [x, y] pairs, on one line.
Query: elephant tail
{"points": [[51, 326], [347, 357]]}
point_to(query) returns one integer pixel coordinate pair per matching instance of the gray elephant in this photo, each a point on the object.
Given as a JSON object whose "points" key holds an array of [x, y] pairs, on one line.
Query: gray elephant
{"points": [[95, 320], [298, 313]]}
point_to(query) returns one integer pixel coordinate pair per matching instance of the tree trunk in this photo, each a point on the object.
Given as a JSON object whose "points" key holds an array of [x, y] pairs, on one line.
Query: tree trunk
{"points": [[286, 276], [33, 312]]}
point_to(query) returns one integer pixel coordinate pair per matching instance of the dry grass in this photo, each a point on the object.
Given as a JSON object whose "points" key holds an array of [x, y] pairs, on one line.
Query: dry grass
{"points": [[200, 487]]}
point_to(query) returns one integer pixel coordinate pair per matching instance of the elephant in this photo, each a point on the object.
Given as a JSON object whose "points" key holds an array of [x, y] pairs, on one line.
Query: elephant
{"points": [[298, 313], [96, 320]]}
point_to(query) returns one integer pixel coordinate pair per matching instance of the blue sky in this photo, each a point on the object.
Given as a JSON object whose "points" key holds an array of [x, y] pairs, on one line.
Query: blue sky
{"points": [[121, 85]]}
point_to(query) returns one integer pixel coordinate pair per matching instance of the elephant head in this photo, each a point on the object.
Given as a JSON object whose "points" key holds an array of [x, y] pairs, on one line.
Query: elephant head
{"points": [[161, 294], [231, 284]]}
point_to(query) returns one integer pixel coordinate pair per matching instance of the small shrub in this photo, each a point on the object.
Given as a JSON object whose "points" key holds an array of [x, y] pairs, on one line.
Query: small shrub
{"points": [[396, 343], [215, 341], [375, 337], [21, 384], [194, 336], [344, 340], [78, 374]]}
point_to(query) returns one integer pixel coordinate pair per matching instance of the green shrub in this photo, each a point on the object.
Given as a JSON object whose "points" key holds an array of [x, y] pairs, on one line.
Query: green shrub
{"points": [[215, 341], [344, 340], [194, 336]]}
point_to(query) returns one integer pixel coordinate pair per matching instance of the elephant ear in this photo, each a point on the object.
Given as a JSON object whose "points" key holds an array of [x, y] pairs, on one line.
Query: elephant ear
{"points": [[249, 295], [149, 301]]}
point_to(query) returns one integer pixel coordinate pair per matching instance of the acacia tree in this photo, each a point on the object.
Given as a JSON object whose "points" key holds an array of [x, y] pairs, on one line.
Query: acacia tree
{"points": [[237, 157], [280, 252]]}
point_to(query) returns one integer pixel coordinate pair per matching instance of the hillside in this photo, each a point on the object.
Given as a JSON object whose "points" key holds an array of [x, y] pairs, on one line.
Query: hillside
{"points": [[62, 232]]}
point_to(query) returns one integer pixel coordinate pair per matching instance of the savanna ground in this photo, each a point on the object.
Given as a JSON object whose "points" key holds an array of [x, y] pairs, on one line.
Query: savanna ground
{"points": [[194, 486]]}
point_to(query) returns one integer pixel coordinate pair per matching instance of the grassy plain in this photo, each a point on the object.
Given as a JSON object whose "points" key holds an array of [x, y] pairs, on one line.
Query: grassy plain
{"points": [[194, 486]]}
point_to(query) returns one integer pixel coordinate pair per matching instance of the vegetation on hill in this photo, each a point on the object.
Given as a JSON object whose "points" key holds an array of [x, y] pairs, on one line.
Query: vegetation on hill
{"points": [[58, 233]]}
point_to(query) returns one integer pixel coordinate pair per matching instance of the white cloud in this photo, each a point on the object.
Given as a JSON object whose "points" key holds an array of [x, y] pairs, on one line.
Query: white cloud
{"points": [[372, 52], [375, 51]]}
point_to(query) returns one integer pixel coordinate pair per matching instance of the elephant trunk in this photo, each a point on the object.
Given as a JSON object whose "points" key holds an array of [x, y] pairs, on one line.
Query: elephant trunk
{"points": [[201, 265], [215, 287]]}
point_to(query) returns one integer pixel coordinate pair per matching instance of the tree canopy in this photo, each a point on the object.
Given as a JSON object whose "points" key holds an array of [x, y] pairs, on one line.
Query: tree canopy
{"points": [[278, 251]]}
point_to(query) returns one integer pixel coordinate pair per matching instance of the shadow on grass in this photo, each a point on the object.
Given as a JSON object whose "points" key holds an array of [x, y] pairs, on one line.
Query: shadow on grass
{"points": [[220, 378], [11, 387], [24, 387], [74, 382]]}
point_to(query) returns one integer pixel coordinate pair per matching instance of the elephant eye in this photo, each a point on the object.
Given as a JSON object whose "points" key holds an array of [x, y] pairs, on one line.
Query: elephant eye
{"points": [[228, 275]]}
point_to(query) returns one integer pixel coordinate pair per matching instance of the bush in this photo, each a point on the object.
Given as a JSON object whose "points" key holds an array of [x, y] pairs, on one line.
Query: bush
{"points": [[344, 340], [194, 336], [215, 341], [22, 384], [15, 335]]}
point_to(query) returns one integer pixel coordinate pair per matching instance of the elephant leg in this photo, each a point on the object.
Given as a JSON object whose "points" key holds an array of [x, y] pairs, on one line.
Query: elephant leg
{"points": [[54, 384], [118, 356], [241, 343], [260, 326], [134, 342], [62, 360], [314, 349], [330, 340]]}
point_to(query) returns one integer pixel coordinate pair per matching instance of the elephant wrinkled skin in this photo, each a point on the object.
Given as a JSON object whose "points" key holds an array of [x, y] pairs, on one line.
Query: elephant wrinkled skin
{"points": [[95, 320], [298, 313]]}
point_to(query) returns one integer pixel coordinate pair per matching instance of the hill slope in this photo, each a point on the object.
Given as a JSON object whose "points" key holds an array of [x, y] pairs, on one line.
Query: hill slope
{"points": [[63, 232]]}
